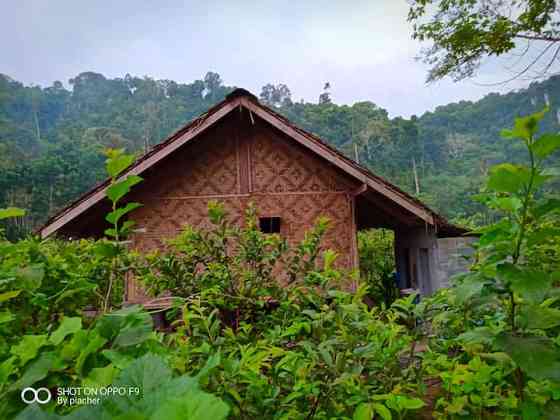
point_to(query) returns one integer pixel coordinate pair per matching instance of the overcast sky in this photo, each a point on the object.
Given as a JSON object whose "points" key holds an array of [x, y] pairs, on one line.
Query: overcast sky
{"points": [[363, 48]]}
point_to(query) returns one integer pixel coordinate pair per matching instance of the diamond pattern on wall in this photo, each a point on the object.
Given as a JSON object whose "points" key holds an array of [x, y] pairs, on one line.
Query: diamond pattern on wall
{"points": [[287, 181]]}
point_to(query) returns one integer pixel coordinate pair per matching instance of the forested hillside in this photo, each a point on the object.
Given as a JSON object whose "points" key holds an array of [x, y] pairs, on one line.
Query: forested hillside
{"points": [[51, 139]]}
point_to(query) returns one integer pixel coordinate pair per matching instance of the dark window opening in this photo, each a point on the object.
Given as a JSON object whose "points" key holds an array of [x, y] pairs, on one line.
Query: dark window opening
{"points": [[269, 224]]}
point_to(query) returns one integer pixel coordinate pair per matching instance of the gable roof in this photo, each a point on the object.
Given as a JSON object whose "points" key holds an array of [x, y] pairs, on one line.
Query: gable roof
{"points": [[243, 98]]}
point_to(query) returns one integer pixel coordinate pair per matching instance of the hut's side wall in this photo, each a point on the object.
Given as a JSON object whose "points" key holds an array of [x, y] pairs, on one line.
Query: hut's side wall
{"points": [[237, 162]]}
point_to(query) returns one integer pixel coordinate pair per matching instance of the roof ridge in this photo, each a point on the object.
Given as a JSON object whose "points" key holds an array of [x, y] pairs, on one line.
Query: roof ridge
{"points": [[240, 94]]}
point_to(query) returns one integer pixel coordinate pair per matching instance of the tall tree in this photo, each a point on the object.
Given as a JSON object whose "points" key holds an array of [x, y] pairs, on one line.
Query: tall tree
{"points": [[276, 95], [325, 97]]}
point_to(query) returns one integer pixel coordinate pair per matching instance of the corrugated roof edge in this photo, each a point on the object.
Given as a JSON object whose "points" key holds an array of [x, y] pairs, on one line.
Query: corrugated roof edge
{"points": [[442, 225]]}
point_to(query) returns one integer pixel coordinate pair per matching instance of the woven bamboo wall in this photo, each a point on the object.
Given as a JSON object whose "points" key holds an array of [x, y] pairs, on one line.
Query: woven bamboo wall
{"points": [[238, 162]]}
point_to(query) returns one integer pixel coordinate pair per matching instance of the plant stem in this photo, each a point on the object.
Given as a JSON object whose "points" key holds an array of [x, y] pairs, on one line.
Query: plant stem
{"points": [[523, 225]]}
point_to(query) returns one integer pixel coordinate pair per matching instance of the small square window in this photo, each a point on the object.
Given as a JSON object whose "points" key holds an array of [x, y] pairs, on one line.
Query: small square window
{"points": [[269, 224]]}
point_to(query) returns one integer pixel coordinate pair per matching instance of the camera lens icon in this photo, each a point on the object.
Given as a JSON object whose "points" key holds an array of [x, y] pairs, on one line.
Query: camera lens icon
{"points": [[41, 395]]}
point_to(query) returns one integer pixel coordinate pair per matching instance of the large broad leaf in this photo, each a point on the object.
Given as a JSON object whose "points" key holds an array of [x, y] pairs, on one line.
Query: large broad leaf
{"points": [[131, 325], [539, 317], [34, 412], [118, 190], [195, 405], [112, 323], [99, 377], [525, 127], [115, 216], [507, 177], [117, 162], [531, 285], [133, 335], [106, 249], [69, 325], [28, 347], [38, 370], [538, 357], [95, 342], [482, 335], [31, 277], [545, 145], [469, 288], [151, 375], [11, 212]]}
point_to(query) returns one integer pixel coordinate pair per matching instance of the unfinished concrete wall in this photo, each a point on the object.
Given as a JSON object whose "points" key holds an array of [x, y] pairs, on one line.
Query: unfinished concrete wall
{"points": [[451, 256], [416, 259], [426, 263]]}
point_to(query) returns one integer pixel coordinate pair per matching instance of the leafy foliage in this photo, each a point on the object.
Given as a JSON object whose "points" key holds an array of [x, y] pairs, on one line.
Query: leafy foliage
{"points": [[377, 264], [463, 32], [247, 340]]}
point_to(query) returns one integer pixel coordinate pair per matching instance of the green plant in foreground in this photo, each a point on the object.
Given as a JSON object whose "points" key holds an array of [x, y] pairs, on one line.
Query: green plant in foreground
{"points": [[160, 396], [510, 306], [117, 162]]}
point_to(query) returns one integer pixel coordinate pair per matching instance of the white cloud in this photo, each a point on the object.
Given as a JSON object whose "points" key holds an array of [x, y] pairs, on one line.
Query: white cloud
{"points": [[363, 48]]}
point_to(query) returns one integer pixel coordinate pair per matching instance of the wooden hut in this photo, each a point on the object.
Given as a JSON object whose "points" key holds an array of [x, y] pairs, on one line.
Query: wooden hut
{"points": [[241, 151]]}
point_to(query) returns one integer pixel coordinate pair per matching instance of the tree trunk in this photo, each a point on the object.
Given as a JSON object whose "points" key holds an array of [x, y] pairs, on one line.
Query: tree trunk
{"points": [[415, 172], [37, 129]]}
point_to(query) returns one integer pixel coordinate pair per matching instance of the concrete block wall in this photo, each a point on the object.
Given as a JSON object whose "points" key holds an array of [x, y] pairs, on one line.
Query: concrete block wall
{"points": [[451, 253]]}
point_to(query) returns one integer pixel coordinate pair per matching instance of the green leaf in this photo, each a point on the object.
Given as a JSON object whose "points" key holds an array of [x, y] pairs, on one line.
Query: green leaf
{"points": [[482, 335], [525, 127], [31, 276], [536, 356], [530, 411], [9, 295], [507, 177], [411, 403], [7, 368], [6, 316], [99, 377], [69, 325], [117, 162], [195, 405], [95, 342], [106, 249], [542, 235], [114, 216], [549, 205], [326, 356], [363, 412], [546, 144], [119, 360], [531, 285], [119, 189], [467, 289], [539, 317], [212, 362], [137, 327], [38, 370], [383, 411], [11, 212], [28, 347]]}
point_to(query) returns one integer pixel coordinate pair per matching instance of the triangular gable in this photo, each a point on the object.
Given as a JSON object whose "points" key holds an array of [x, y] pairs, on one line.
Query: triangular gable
{"points": [[242, 98]]}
